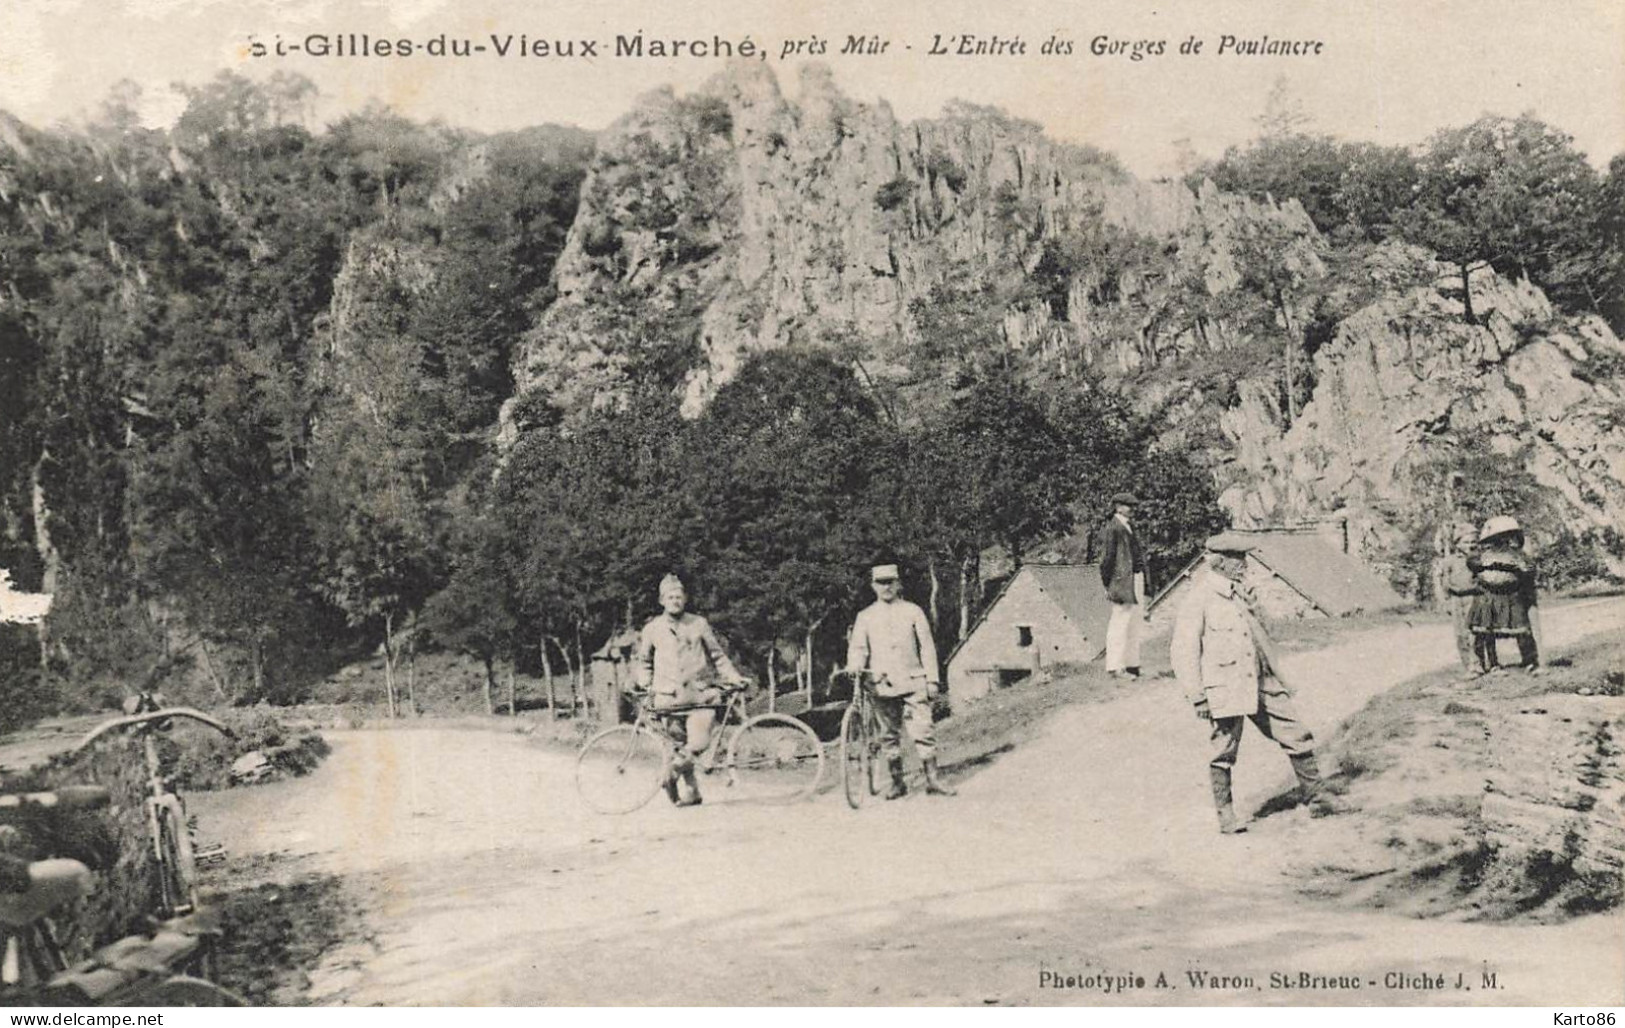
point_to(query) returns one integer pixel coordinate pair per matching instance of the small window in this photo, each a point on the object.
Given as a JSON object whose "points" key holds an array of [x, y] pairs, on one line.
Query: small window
{"points": [[1024, 635]]}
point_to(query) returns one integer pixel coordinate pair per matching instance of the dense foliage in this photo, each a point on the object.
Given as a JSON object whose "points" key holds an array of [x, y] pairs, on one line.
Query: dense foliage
{"points": [[1511, 194], [252, 379]]}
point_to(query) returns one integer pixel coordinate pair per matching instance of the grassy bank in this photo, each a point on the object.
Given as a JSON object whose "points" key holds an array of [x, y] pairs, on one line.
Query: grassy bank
{"points": [[1495, 798]]}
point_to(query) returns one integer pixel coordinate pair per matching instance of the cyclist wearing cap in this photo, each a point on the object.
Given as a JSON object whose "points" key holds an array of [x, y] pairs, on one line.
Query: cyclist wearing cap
{"points": [[892, 638], [680, 662]]}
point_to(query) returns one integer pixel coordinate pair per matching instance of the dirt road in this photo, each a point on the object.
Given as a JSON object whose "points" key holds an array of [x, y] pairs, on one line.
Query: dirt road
{"points": [[1090, 853]]}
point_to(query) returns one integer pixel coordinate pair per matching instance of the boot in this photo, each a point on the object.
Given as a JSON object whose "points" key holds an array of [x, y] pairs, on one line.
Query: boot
{"points": [[1219, 777], [1308, 772], [685, 768], [670, 785], [933, 784], [898, 786]]}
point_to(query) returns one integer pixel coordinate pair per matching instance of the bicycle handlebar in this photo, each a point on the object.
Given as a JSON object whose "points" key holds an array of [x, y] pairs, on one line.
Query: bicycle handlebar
{"points": [[154, 715], [857, 675]]}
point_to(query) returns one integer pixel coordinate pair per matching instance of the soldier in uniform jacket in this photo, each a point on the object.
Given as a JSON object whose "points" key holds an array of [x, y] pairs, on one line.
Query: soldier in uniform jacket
{"points": [[1231, 673]]}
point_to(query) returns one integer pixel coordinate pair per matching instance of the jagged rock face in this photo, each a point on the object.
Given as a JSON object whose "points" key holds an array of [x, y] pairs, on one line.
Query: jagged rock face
{"points": [[824, 218], [1407, 379], [765, 220]]}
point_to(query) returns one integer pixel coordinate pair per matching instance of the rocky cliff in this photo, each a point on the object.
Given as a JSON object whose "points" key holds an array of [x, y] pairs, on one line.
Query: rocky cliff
{"points": [[1407, 384], [743, 219], [772, 220]]}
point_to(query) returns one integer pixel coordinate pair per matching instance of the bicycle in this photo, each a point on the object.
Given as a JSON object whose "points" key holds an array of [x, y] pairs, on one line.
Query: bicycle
{"points": [[862, 732], [769, 758], [134, 971], [166, 812]]}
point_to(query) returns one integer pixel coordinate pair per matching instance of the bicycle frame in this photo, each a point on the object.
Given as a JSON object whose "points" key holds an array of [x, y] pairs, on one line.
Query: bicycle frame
{"points": [[176, 870], [861, 735], [730, 714]]}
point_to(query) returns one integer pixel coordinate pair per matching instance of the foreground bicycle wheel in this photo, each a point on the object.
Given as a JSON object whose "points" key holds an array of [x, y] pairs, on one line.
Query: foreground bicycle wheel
{"points": [[177, 871], [621, 768], [185, 991], [857, 757], [774, 759]]}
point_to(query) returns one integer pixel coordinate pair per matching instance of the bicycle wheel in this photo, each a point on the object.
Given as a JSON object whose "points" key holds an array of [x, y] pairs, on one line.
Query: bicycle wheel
{"points": [[177, 871], [774, 758], [857, 757], [621, 768], [185, 991]]}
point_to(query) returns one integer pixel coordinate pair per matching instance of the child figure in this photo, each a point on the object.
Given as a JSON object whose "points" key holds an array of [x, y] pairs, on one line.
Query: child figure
{"points": [[1506, 604]]}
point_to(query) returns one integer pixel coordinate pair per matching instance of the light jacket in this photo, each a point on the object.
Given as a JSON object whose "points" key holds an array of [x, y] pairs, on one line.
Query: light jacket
{"points": [[894, 640], [1220, 651], [679, 660]]}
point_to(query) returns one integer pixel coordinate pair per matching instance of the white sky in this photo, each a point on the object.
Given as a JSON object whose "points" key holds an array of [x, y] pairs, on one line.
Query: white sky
{"points": [[1393, 71]]}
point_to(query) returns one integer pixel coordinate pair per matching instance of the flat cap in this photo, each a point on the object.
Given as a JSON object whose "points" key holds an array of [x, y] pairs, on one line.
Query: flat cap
{"points": [[1128, 499], [1229, 542]]}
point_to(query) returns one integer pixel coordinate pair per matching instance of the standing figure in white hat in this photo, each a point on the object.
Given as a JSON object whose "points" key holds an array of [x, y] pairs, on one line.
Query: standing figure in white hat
{"points": [[1506, 604], [892, 638]]}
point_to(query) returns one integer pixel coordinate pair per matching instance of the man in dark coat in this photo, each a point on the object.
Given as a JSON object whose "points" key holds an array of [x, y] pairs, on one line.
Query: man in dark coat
{"points": [[1122, 571]]}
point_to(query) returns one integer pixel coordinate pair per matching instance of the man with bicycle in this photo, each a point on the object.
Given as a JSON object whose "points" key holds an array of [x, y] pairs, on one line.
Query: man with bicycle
{"points": [[679, 663], [892, 638]]}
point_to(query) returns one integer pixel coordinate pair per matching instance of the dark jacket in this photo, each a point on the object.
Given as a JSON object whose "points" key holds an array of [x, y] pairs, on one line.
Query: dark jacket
{"points": [[1121, 557]]}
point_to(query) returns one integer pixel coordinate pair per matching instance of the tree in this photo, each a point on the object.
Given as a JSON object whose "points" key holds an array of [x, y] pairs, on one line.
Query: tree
{"points": [[1509, 194], [783, 488], [475, 611]]}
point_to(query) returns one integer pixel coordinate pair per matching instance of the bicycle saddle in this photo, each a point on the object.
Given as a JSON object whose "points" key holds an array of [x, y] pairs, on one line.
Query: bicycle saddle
{"points": [[51, 884]]}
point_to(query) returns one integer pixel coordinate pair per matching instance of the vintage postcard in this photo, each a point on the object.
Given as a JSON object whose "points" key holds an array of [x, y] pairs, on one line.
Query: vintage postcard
{"points": [[724, 503]]}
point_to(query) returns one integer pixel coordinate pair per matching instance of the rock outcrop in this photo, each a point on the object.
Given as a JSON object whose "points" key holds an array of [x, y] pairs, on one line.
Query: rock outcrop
{"points": [[741, 219], [1407, 381], [770, 220]]}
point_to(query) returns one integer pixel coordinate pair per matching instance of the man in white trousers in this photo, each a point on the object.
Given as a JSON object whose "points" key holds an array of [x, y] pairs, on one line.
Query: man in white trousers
{"points": [[1122, 572]]}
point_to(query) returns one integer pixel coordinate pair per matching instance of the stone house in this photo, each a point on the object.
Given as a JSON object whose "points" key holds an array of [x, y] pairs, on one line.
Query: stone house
{"points": [[1044, 616]]}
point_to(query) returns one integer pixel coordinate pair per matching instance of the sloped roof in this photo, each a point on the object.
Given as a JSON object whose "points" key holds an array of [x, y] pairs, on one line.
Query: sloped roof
{"points": [[1074, 588], [1077, 590], [1332, 580]]}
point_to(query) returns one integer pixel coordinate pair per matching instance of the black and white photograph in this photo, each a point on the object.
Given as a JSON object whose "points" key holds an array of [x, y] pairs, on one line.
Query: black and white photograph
{"points": [[742, 503]]}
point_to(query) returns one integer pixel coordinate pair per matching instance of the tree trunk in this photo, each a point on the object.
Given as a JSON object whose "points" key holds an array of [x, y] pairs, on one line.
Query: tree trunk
{"points": [[578, 688], [389, 662], [513, 691], [412, 668], [547, 676], [807, 654], [1467, 293], [964, 600], [256, 657], [772, 676], [490, 685], [569, 665], [1291, 345], [936, 589], [208, 669]]}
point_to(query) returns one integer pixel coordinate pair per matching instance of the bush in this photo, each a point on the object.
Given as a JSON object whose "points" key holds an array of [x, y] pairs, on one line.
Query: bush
{"points": [[710, 115], [202, 760], [942, 168], [1574, 559], [894, 194], [23, 699]]}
